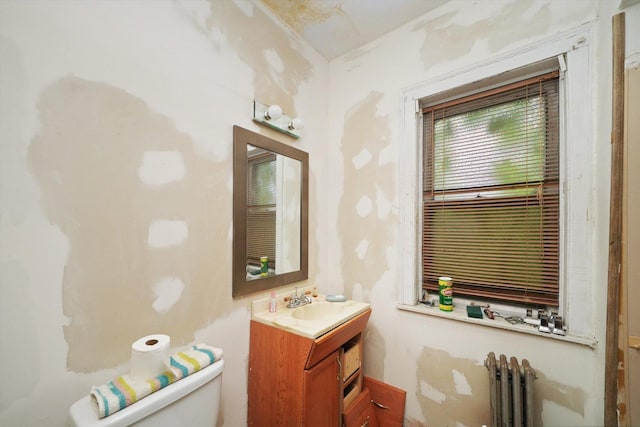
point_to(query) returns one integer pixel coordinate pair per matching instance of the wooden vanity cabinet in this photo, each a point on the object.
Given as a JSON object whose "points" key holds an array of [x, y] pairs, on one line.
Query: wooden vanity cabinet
{"points": [[299, 381]]}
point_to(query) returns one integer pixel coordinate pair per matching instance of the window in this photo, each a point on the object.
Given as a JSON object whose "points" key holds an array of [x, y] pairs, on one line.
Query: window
{"points": [[581, 200], [261, 206], [491, 192]]}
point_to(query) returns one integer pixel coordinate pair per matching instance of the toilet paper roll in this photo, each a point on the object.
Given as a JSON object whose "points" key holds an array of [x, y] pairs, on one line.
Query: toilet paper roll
{"points": [[149, 357]]}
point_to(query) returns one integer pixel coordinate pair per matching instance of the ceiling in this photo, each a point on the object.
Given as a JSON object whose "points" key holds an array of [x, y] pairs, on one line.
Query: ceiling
{"points": [[335, 27]]}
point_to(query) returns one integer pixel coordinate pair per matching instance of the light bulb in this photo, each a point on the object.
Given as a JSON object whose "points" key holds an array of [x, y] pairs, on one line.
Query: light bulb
{"points": [[296, 123], [274, 112]]}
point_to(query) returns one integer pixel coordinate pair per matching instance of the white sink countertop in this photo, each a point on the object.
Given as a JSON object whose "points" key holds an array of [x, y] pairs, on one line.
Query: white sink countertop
{"points": [[310, 320]]}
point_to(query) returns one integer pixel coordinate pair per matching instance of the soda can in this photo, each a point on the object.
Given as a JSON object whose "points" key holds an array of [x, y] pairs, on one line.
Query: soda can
{"points": [[445, 292], [264, 265]]}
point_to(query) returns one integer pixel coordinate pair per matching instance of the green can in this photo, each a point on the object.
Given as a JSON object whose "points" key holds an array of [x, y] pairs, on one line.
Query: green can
{"points": [[445, 292], [264, 266]]}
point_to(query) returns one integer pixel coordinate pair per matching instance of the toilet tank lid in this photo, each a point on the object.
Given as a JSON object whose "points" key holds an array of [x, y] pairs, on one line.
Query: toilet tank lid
{"points": [[83, 415]]}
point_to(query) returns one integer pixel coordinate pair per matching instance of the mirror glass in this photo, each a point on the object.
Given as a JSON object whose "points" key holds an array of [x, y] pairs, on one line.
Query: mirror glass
{"points": [[270, 213]]}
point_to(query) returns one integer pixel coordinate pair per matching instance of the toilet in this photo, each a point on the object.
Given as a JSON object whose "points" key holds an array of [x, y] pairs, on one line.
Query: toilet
{"points": [[191, 401]]}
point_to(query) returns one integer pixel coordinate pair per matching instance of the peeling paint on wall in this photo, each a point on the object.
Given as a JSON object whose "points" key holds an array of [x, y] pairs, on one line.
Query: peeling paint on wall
{"points": [[369, 184], [361, 249], [161, 167], [451, 389], [456, 390], [462, 385], [571, 398], [302, 13], [505, 26], [167, 292], [255, 38], [86, 158], [360, 160]]}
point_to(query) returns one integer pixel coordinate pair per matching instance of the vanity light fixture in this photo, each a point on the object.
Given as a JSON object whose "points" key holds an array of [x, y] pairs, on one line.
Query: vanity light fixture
{"points": [[274, 112], [296, 123], [273, 117]]}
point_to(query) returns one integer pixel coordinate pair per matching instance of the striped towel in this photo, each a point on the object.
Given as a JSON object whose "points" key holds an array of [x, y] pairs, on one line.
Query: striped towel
{"points": [[124, 391]]}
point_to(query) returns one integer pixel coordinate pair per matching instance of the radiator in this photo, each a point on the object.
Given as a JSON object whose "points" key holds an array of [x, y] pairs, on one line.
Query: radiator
{"points": [[511, 391]]}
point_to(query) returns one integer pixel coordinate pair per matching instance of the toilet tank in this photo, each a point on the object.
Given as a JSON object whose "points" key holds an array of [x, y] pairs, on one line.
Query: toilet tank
{"points": [[191, 401]]}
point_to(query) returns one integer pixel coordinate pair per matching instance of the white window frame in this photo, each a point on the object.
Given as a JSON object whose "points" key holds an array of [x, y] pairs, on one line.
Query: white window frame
{"points": [[576, 175]]}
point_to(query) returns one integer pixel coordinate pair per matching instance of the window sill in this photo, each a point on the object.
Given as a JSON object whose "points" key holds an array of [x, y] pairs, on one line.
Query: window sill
{"points": [[460, 315]]}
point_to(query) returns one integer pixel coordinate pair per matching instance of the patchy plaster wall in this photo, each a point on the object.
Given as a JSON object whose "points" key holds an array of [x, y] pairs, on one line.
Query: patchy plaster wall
{"points": [[440, 362], [367, 197], [457, 381], [116, 184], [517, 21], [115, 139], [274, 56], [94, 162], [631, 273], [305, 12], [462, 385]]}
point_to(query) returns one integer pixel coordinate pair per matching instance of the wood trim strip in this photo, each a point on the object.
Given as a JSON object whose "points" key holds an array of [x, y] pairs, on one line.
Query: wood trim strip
{"points": [[615, 225]]}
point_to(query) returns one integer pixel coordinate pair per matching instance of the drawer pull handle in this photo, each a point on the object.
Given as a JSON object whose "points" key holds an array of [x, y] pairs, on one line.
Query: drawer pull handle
{"points": [[366, 422], [379, 405]]}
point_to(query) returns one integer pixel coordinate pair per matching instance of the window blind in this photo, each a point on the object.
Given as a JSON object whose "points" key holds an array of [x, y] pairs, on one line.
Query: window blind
{"points": [[261, 207], [491, 193]]}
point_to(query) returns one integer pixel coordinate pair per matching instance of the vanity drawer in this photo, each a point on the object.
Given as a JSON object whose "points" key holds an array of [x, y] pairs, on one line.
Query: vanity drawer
{"points": [[352, 359], [351, 392], [326, 344], [361, 412]]}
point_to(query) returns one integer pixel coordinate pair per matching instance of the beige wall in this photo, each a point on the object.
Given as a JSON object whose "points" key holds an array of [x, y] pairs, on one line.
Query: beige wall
{"points": [[115, 194], [116, 187], [630, 317]]}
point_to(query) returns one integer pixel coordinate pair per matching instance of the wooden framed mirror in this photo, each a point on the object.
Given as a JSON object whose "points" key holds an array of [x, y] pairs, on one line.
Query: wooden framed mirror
{"points": [[270, 213]]}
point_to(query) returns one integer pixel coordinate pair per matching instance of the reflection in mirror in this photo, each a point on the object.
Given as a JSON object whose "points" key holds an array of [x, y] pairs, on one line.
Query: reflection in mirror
{"points": [[270, 216], [273, 213]]}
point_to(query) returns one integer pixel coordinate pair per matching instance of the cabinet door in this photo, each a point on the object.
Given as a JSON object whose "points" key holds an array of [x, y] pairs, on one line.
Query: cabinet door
{"points": [[388, 402], [321, 404]]}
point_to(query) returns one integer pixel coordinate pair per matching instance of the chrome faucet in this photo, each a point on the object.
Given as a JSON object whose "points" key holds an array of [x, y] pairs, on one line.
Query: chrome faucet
{"points": [[298, 301]]}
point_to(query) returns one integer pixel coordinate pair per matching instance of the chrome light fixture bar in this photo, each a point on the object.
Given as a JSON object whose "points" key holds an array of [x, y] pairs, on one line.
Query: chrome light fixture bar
{"points": [[273, 117]]}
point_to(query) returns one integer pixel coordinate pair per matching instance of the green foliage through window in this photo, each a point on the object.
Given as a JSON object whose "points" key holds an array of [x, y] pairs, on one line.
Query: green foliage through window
{"points": [[491, 199]]}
